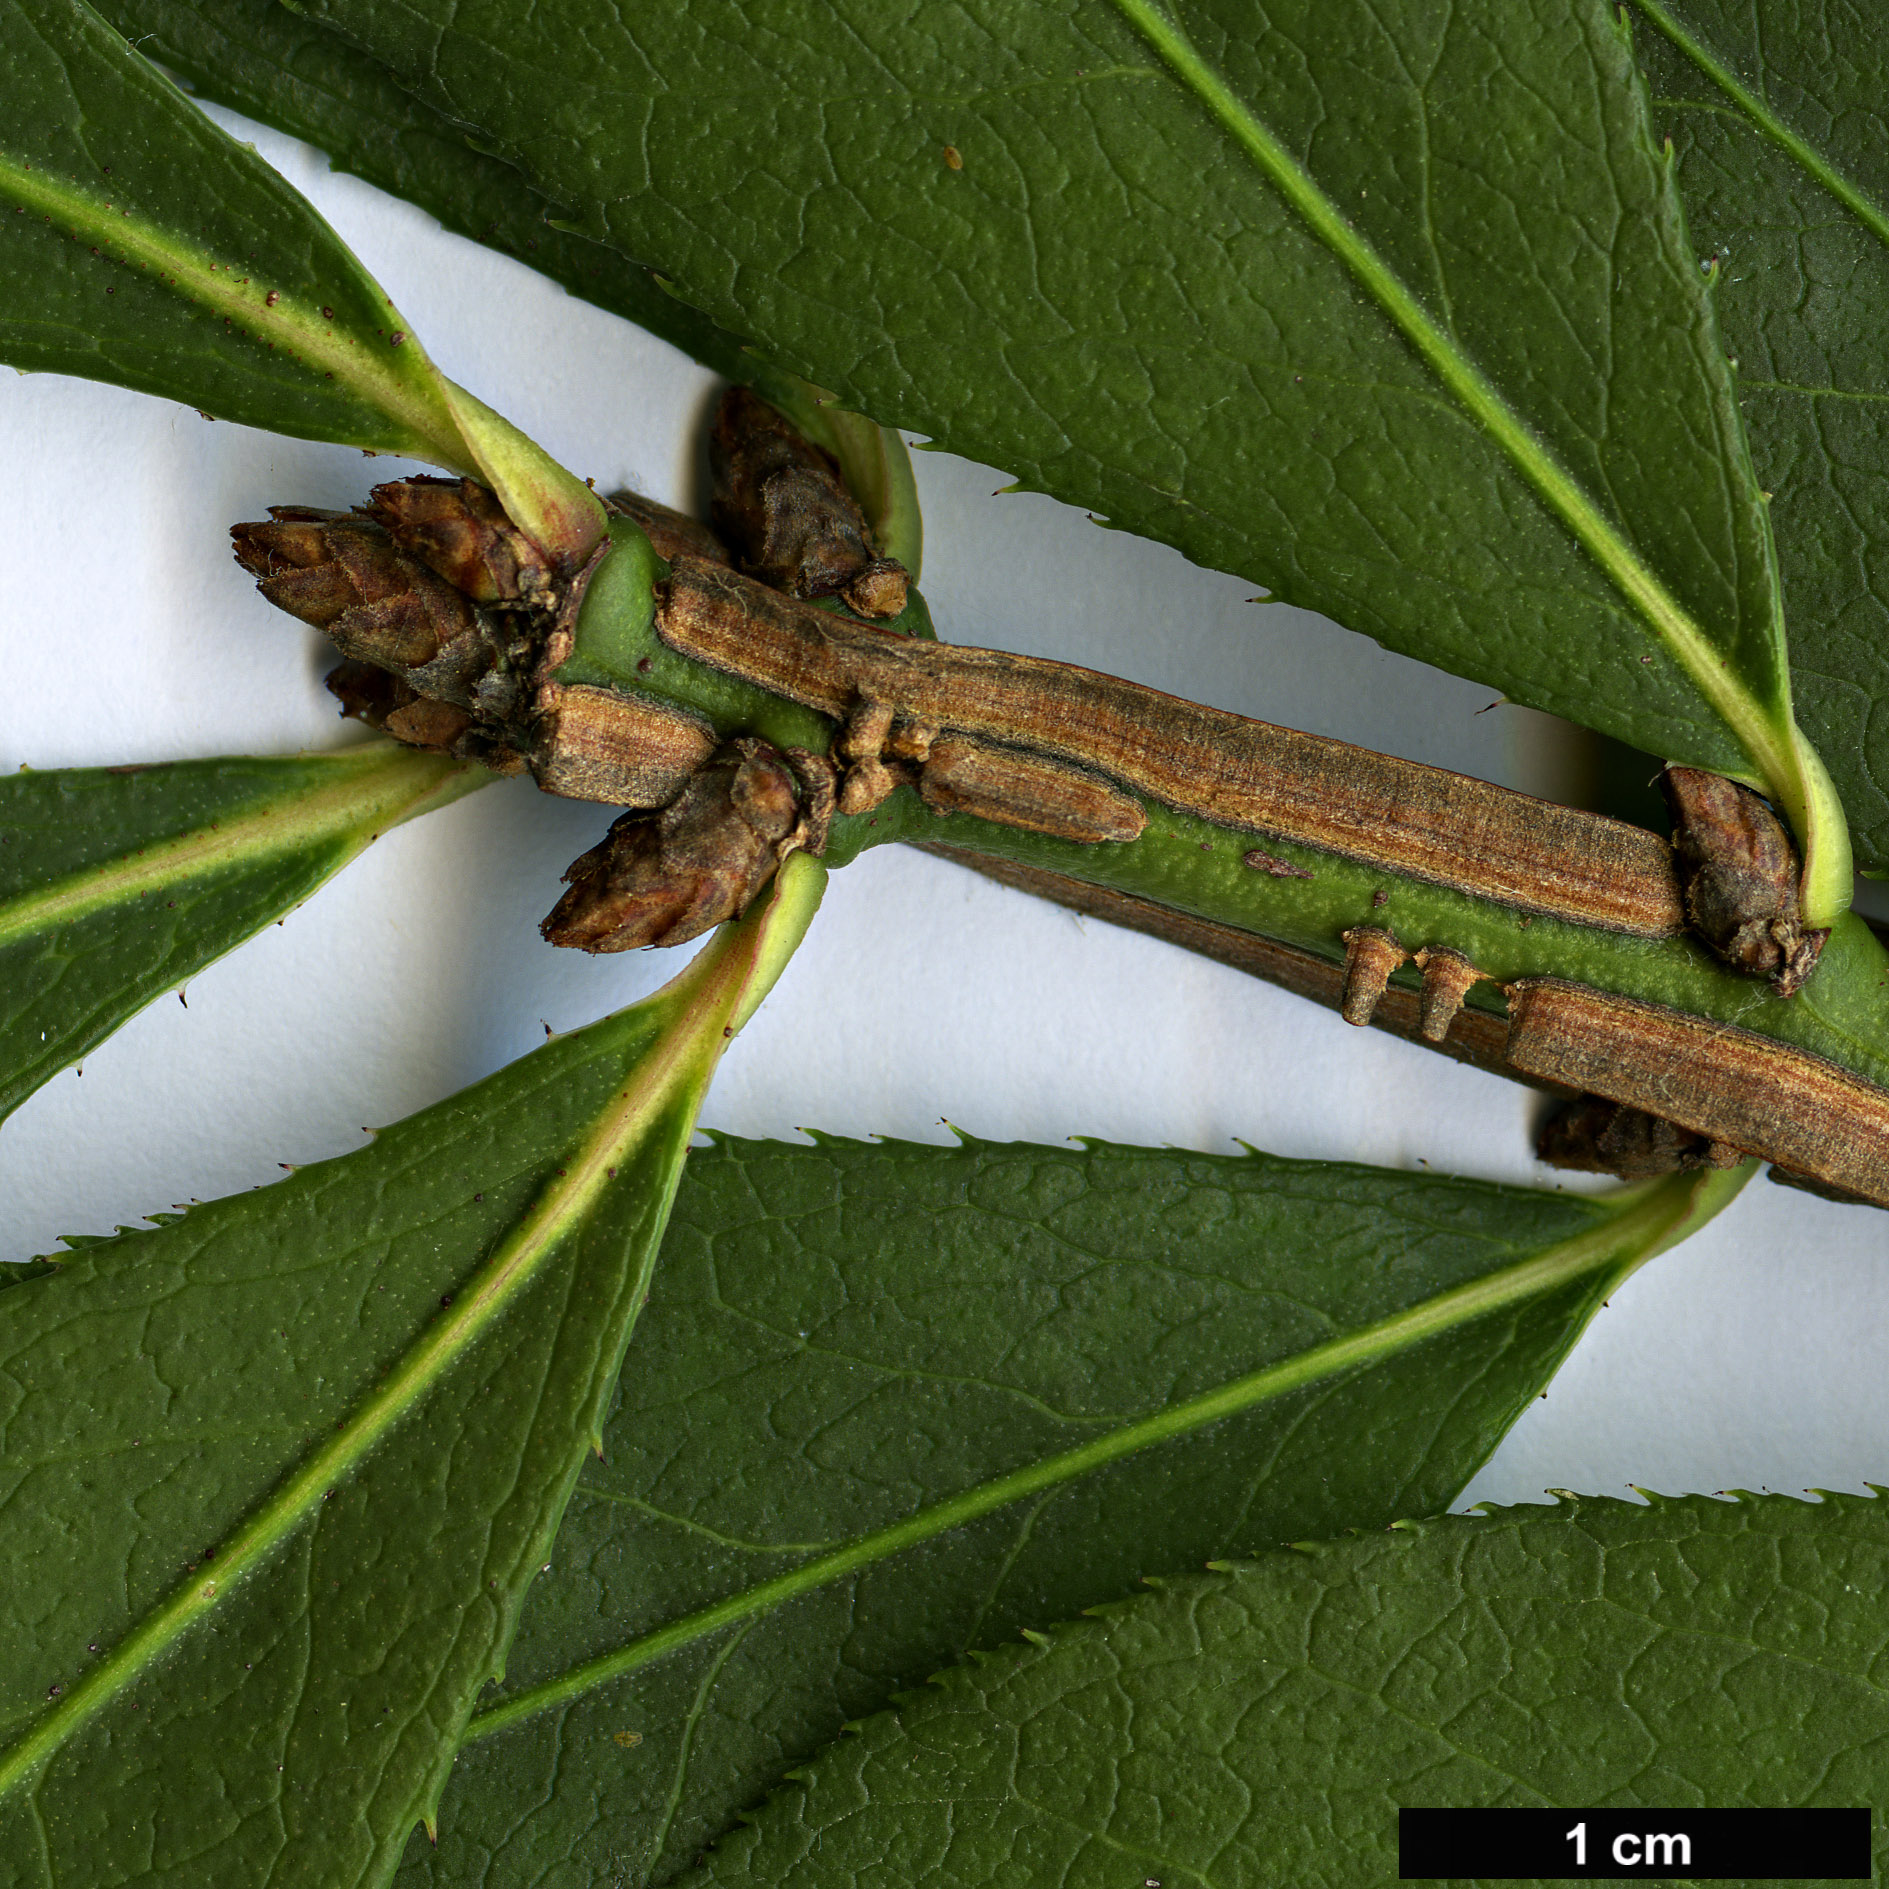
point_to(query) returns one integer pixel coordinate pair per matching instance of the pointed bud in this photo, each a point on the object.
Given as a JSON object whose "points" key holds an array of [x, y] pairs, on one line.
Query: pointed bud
{"points": [[662, 879], [1741, 874], [780, 503], [344, 576], [458, 529]]}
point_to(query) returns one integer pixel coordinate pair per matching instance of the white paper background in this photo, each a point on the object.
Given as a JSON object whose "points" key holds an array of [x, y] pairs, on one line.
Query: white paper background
{"points": [[1752, 1357]]}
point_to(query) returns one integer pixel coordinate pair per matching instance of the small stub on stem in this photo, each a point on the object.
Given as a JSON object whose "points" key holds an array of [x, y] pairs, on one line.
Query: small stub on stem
{"points": [[1447, 976], [1371, 955]]}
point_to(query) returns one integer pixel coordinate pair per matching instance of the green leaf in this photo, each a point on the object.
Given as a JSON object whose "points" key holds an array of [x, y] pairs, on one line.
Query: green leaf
{"points": [[1263, 1724], [258, 58], [117, 884], [1282, 286], [144, 247], [277, 1475], [1776, 112], [892, 1402]]}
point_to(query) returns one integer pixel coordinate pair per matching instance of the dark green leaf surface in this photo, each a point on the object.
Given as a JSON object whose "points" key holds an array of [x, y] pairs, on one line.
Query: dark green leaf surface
{"points": [[117, 884], [1777, 111], [260, 59], [1264, 1724], [140, 245], [1395, 313], [277, 1474], [891, 1402]]}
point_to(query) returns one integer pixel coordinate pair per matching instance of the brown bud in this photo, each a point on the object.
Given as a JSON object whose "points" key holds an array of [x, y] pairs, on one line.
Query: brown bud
{"points": [[1740, 873], [780, 503], [344, 576], [427, 724], [664, 878], [1591, 1135], [458, 529]]}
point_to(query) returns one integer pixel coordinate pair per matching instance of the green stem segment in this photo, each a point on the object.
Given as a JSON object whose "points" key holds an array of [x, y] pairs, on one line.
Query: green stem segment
{"points": [[1648, 1219], [1298, 894]]}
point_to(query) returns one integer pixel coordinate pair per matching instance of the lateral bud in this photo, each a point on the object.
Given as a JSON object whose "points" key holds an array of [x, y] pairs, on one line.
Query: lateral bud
{"points": [[379, 603], [667, 877], [380, 699], [1371, 955], [1591, 1135], [434, 585], [780, 502], [1740, 874]]}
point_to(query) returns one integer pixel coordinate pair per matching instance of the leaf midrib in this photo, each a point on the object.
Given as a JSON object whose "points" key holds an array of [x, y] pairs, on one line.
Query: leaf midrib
{"points": [[271, 829], [1640, 1224], [1854, 198], [329, 348], [1675, 626], [678, 1060]]}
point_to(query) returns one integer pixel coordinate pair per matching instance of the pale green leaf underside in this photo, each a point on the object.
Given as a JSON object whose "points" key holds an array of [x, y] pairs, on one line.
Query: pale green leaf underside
{"points": [[140, 245], [890, 1402], [1264, 1724], [277, 1473], [1776, 110], [117, 884], [1397, 316]]}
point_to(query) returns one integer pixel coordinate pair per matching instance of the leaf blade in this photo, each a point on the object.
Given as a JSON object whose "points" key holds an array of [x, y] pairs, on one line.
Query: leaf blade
{"points": [[88, 856], [147, 249], [309, 343], [787, 1549], [258, 58], [377, 1506], [1774, 114], [1264, 1722]]}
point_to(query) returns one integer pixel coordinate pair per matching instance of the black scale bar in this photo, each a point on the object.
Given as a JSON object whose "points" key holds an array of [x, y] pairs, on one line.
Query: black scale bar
{"points": [[1630, 1845]]}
